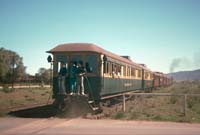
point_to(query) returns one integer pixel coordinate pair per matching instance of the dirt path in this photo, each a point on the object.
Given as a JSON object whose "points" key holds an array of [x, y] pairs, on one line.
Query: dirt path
{"points": [[55, 126], [28, 86]]}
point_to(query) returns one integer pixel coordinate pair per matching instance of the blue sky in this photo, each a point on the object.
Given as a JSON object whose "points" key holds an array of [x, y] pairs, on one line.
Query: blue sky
{"points": [[154, 32]]}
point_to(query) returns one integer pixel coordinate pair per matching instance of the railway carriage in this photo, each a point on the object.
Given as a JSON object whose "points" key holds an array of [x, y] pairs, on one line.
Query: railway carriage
{"points": [[107, 73], [158, 79], [161, 80]]}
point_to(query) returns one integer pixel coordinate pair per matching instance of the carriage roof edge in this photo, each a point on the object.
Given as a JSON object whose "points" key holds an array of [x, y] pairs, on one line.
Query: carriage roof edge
{"points": [[90, 47]]}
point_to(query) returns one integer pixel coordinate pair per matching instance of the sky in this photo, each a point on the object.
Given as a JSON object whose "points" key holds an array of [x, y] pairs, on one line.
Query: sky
{"points": [[163, 34]]}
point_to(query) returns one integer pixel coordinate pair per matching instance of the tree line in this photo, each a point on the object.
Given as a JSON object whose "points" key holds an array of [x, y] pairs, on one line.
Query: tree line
{"points": [[12, 69]]}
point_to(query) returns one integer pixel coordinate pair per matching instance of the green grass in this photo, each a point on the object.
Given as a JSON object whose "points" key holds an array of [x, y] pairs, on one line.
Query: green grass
{"points": [[7, 89], [164, 108], [119, 115]]}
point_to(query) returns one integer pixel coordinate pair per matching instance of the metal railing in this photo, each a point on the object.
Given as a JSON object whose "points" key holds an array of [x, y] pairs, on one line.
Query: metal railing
{"points": [[159, 94]]}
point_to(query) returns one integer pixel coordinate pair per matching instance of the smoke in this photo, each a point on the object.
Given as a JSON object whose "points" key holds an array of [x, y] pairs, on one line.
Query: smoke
{"points": [[196, 60], [180, 63], [175, 64], [186, 63]]}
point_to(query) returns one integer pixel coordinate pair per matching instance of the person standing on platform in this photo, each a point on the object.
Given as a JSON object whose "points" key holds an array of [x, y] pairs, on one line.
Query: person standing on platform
{"points": [[80, 78], [61, 78], [72, 77]]}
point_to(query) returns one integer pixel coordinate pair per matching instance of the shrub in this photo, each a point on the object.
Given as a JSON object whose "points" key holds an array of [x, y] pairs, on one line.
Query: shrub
{"points": [[193, 101], [6, 89], [173, 99], [157, 117], [119, 115]]}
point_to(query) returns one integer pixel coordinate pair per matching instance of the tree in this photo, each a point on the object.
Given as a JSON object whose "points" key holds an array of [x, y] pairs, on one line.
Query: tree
{"points": [[11, 66], [44, 75]]}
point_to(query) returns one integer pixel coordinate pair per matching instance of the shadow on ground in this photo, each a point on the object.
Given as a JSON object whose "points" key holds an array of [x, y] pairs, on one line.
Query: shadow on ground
{"points": [[35, 112], [75, 106]]}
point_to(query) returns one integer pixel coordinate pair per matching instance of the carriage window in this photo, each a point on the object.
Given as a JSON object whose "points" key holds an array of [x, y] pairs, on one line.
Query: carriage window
{"points": [[146, 75], [133, 72], [62, 58], [128, 71], [151, 76], [124, 70], [59, 65], [139, 73], [76, 58], [106, 67], [113, 69], [136, 73], [91, 63], [118, 70], [59, 59], [110, 68]]}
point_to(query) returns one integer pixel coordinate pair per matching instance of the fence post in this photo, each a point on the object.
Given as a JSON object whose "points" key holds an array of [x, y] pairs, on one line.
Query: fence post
{"points": [[185, 104], [124, 103]]}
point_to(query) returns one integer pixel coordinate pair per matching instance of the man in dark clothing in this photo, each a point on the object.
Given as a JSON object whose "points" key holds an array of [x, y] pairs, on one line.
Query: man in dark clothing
{"points": [[72, 77], [61, 78], [88, 68], [80, 78]]}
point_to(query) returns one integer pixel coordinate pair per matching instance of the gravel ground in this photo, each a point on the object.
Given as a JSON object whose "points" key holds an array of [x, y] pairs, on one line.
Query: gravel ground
{"points": [[52, 126]]}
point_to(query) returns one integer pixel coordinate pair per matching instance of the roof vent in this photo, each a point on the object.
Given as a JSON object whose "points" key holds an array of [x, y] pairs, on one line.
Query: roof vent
{"points": [[144, 65], [127, 57]]}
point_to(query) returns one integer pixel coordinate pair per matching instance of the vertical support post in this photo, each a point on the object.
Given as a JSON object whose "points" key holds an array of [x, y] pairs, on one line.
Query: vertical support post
{"points": [[143, 79], [124, 103], [51, 75], [185, 104], [13, 70]]}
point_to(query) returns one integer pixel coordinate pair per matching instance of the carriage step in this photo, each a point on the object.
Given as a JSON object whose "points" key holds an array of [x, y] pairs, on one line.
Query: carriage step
{"points": [[90, 102], [95, 108], [92, 106]]}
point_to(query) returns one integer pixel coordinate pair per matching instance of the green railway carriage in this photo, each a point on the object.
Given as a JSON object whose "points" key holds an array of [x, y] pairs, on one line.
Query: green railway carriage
{"points": [[108, 73]]}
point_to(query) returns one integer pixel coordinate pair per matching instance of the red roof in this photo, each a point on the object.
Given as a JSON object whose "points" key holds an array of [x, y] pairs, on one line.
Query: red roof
{"points": [[74, 47], [88, 47], [158, 73]]}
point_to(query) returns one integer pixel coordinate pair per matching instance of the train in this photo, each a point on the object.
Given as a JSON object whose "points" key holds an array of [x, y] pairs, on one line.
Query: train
{"points": [[110, 73]]}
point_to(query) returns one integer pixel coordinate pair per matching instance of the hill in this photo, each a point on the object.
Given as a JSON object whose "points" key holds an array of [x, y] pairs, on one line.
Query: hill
{"points": [[186, 75]]}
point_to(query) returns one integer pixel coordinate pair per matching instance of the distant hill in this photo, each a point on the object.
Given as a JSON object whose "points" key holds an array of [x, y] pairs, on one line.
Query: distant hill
{"points": [[186, 75]]}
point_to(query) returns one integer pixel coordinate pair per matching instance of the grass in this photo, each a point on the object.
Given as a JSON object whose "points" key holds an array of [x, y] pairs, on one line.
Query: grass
{"points": [[119, 115], [10, 99], [152, 108], [6, 89], [164, 108]]}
